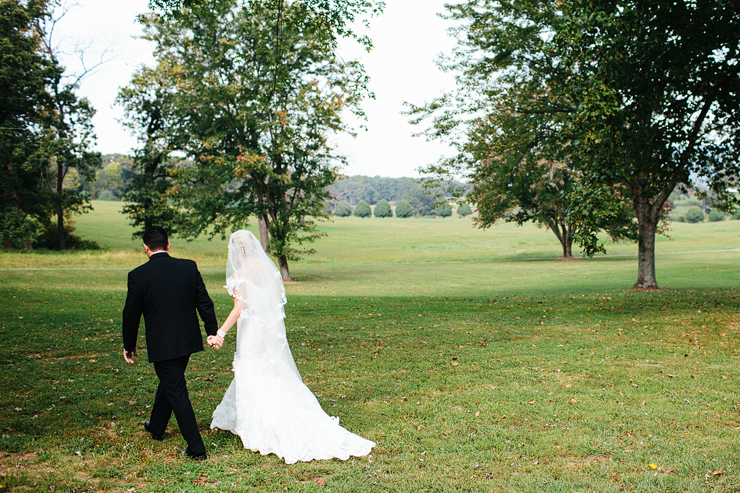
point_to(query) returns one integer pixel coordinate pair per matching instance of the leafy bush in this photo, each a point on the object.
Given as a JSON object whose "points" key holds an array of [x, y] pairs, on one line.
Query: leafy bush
{"points": [[403, 209], [694, 215], [716, 216], [107, 195], [343, 210], [464, 209], [679, 219], [736, 215], [443, 210], [362, 209], [383, 209]]}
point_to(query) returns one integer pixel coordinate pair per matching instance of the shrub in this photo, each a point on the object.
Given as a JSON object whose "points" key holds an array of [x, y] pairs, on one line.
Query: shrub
{"points": [[362, 209], [383, 209], [403, 209], [107, 195], [736, 215], [343, 209], [680, 219], [716, 216], [694, 215], [464, 209], [443, 210]]}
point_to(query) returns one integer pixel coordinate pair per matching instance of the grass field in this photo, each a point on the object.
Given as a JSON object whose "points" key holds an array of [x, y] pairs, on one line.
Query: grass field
{"points": [[474, 368]]}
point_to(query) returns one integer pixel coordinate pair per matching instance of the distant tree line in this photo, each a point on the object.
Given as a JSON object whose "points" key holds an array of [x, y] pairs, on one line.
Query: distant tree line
{"points": [[414, 199], [115, 179]]}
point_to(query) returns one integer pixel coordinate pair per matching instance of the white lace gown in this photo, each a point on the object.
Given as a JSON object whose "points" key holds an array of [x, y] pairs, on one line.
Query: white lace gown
{"points": [[267, 403]]}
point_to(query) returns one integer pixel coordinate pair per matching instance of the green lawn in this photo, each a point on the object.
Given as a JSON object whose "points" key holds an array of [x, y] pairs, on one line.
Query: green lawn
{"points": [[474, 367]]}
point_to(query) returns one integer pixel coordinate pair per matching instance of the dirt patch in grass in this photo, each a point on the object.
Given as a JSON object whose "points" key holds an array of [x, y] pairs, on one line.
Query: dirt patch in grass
{"points": [[576, 464]]}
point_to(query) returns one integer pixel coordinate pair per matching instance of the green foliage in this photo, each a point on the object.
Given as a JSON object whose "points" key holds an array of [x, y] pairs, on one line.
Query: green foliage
{"points": [[736, 215], [403, 209], [383, 209], [715, 215], [464, 209], [45, 129], [375, 188], [423, 200], [24, 74], [107, 195], [265, 91], [620, 94], [19, 231], [694, 215], [443, 210], [362, 209], [343, 209]]}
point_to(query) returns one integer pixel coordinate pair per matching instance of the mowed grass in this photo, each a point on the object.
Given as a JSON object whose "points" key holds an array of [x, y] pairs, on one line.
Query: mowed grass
{"points": [[474, 368]]}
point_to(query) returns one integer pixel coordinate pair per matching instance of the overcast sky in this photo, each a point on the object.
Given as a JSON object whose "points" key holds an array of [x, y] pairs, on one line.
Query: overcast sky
{"points": [[408, 38]]}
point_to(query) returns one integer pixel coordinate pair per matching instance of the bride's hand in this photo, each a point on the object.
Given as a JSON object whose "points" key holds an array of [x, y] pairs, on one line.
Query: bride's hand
{"points": [[215, 341]]}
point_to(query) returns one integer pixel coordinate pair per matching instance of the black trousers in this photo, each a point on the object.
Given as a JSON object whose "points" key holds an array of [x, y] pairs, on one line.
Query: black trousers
{"points": [[172, 396]]}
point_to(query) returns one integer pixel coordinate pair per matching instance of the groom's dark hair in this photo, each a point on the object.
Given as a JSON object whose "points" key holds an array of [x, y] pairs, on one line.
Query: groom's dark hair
{"points": [[156, 238]]}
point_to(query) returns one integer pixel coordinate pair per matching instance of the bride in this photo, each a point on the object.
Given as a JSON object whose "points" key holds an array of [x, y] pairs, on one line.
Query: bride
{"points": [[267, 404]]}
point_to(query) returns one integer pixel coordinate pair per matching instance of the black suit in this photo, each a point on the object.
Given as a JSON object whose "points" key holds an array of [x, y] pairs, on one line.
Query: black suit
{"points": [[168, 292]]}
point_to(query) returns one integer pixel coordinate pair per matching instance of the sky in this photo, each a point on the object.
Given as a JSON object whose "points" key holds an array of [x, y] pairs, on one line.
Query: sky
{"points": [[408, 38]]}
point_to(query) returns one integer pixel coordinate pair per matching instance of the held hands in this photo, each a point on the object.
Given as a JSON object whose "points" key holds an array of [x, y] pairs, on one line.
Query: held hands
{"points": [[129, 357], [215, 341]]}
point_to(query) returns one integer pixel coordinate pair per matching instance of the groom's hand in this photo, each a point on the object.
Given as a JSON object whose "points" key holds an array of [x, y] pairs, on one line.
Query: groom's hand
{"points": [[129, 357], [215, 341]]}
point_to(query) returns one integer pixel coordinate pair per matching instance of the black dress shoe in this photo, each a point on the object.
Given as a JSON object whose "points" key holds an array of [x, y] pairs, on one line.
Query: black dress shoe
{"points": [[148, 430], [195, 455]]}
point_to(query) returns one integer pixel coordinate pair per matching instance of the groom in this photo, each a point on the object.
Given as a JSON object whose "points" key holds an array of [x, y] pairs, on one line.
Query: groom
{"points": [[168, 292]]}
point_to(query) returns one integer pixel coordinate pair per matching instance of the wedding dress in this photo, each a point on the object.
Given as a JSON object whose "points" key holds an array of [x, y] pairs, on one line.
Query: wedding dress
{"points": [[267, 404]]}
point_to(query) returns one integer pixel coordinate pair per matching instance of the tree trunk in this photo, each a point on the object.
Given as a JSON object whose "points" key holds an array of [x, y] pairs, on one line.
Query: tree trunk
{"points": [[564, 235], [60, 206], [568, 245], [283, 261], [264, 234], [647, 225]]}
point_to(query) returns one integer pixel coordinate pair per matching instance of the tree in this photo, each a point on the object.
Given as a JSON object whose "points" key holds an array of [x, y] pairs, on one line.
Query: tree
{"points": [[259, 88], [383, 209], [630, 95], [443, 210], [403, 209], [47, 129], [343, 209], [694, 215], [716, 216], [24, 72], [423, 201], [148, 103], [464, 209], [362, 209]]}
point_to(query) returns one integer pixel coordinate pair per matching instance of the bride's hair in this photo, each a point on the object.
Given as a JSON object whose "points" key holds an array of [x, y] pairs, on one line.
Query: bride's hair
{"points": [[249, 264]]}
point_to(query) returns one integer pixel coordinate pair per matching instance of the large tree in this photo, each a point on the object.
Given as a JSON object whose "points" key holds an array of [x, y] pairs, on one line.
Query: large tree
{"points": [[257, 90], [634, 96], [68, 130], [23, 76], [149, 113]]}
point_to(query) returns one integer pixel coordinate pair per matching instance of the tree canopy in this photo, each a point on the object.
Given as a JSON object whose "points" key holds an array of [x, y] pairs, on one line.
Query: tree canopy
{"points": [[45, 130], [253, 90], [632, 98]]}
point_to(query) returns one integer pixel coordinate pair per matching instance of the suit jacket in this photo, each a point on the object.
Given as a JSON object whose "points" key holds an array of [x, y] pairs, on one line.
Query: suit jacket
{"points": [[168, 292]]}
